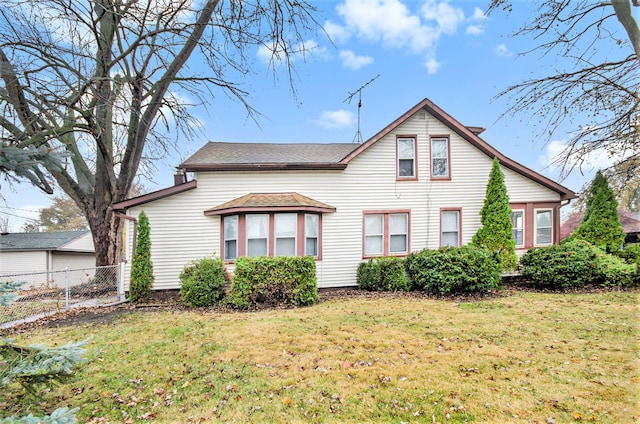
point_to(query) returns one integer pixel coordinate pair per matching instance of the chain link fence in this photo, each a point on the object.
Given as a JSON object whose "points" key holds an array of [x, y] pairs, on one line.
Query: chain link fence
{"points": [[42, 293]]}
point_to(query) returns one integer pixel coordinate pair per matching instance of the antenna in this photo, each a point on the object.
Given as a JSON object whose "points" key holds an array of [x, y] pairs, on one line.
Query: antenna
{"points": [[358, 137]]}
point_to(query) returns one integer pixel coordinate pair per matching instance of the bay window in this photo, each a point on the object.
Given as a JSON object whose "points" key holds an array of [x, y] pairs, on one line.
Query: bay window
{"points": [[544, 227]]}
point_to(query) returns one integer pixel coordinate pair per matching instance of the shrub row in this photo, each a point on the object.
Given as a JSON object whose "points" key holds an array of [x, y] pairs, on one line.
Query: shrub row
{"points": [[442, 271], [261, 280], [578, 263]]}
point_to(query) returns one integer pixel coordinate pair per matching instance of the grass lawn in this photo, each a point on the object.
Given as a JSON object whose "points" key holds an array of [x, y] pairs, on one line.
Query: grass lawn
{"points": [[525, 357]]}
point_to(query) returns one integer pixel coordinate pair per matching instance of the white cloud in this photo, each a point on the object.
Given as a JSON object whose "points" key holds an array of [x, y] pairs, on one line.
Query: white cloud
{"points": [[432, 66], [351, 61], [447, 17], [476, 22], [393, 24], [593, 161], [337, 33], [502, 50], [335, 119]]}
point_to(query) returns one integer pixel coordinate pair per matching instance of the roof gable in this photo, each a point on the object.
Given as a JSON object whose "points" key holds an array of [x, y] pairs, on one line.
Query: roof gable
{"points": [[470, 134]]}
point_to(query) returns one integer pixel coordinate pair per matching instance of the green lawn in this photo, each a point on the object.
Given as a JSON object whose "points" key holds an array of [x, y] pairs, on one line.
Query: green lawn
{"points": [[525, 357]]}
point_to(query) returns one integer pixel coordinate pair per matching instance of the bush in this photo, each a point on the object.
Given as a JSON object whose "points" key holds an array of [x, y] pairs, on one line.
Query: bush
{"points": [[454, 269], [631, 254], [571, 264], [283, 280], [383, 274], [612, 271], [202, 282]]}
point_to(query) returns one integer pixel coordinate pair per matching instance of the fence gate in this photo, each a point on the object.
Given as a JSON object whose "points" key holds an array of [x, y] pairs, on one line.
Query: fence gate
{"points": [[42, 293]]}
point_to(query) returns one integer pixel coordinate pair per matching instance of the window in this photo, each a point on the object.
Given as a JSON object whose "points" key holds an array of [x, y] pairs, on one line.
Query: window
{"points": [[386, 233], [406, 151], [311, 235], [544, 227], [398, 233], [373, 235], [286, 225], [231, 237], [450, 228], [517, 225], [257, 235], [440, 157]]}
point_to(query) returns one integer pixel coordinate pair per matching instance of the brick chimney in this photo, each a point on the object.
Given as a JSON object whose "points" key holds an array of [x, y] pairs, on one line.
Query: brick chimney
{"points": [[179, 177]]}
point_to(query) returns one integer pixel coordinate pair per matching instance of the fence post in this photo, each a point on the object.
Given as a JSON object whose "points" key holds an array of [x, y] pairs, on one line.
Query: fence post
{"points": [[66, 287]]}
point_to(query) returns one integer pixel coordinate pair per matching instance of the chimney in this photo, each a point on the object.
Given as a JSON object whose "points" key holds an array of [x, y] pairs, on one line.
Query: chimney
{"points": [[179, 177]]}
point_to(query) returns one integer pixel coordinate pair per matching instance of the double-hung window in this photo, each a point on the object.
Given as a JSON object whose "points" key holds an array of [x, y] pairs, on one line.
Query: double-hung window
{"points": [[311, 231], [440, 167], [450, 228], [257, 234], [386, 233], [544, 227], [230, 237], [286, 225], [406, 151], [517, 227]]}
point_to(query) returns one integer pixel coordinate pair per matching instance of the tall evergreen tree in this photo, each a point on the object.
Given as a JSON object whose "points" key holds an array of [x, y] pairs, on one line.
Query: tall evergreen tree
{"points": [[601, 223], [141, 265], [496, 233]]}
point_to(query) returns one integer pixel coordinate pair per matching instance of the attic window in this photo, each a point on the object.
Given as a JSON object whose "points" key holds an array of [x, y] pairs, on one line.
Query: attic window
{"points": [[406, 153], [440, 166]]}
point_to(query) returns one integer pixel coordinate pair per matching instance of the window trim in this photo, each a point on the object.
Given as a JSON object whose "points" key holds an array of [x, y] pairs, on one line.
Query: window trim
{"points": [[524, 225], [413, 177], [440, 177], [242, 241], [535, 226], [459, 210], [318, 238], [386, 236]]}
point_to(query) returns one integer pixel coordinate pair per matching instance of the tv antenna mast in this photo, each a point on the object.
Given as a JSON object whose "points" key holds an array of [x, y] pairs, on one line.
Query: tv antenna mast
{"points": [[358, 136]]}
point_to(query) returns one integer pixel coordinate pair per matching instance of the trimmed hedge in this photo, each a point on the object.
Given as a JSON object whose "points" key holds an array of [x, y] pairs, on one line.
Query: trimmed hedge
{"points": [[575, 263], [631, 254], [202, 282], [383, 274], [454, 269], [282, 280]]}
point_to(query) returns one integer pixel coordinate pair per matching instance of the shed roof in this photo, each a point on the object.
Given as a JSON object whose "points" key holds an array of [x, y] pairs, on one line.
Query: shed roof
{"points": [[38, 241]]}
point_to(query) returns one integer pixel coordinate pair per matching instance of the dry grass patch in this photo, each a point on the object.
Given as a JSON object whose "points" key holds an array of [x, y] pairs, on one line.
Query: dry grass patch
{"points": [[528, 357]]}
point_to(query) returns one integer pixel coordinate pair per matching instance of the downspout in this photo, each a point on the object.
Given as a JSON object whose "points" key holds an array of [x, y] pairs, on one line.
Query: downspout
{"points": [[135, 227]]}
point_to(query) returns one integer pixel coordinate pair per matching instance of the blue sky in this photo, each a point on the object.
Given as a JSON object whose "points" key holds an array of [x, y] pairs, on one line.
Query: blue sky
{"points": [[447, 51]]}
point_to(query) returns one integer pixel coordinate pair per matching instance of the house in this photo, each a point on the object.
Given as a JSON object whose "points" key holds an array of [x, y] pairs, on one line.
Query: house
{"points": [[45, 252], [418, 183], [630, 225]]}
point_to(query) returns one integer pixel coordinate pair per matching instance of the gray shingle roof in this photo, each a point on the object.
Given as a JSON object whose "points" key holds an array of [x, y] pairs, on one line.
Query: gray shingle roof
{"points": [[38, 241], [223, 153]]}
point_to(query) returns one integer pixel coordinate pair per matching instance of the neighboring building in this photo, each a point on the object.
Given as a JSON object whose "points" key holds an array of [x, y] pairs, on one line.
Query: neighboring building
{"points": [[419, 183], [630, 224], [45, 252]]}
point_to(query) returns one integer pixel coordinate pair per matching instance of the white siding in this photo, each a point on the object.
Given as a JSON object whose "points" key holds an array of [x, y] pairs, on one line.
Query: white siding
{"points": [[21, 262], [180, 232], [83, 243], [63, 260]]}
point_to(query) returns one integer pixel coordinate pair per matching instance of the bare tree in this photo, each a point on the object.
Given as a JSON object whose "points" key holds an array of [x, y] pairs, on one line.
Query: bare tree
{"points": [[101, 80], [594, 82]]}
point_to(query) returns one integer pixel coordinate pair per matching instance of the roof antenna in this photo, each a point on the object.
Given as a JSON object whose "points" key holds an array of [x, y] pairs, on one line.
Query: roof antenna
{"points": [[358, 136]]}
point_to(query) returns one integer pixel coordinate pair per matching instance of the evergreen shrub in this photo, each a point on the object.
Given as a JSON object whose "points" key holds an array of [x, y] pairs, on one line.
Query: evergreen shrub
{"points": [[383, 274], [272, 281], [202, 282], [454, 270], [141, 281], [570, 264], [631, 254]]}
